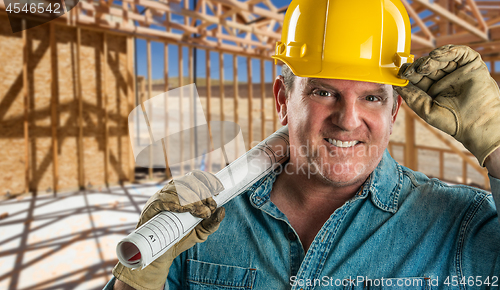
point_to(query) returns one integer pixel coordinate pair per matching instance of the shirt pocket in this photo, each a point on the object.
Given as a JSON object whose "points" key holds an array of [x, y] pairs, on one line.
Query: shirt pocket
{"points": [[205, 276], [411, 283]]}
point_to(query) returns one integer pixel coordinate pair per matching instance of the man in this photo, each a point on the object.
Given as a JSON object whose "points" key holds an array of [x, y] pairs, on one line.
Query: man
{"points": [[354, 218]]}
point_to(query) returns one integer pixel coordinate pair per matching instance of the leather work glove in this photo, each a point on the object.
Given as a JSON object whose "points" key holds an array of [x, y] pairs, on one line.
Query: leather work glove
{"points": [[452, 90], [196, 186]]}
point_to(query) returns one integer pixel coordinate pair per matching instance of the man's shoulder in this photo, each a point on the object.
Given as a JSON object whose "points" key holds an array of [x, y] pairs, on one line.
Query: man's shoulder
{"points": [[433, 190]]}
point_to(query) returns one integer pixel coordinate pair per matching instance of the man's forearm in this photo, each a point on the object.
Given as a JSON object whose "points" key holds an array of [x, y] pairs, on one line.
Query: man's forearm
{"points": [[119, 285], [492, 163]]}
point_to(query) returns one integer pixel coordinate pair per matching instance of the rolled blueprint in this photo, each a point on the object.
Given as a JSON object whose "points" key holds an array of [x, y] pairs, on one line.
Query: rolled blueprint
{"points": [[156, 236]]}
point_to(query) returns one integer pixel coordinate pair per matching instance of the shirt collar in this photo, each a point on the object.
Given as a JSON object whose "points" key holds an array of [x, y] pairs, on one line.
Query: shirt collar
{"points": [[384, 184]]}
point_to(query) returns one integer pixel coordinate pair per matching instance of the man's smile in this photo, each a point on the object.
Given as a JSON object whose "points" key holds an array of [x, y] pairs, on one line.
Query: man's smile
{"points": [[342, 144]]}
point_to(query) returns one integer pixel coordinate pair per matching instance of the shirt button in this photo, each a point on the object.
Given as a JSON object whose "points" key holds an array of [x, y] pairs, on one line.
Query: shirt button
{"points": [[292, 236]]}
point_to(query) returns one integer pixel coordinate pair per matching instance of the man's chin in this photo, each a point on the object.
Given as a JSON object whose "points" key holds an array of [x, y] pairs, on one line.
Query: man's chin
{"points": [[340, 176], [342, 180]]}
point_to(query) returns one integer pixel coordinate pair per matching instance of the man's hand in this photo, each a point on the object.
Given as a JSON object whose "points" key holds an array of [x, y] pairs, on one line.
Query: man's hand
{"points": [[190, 193], [452, 90]]}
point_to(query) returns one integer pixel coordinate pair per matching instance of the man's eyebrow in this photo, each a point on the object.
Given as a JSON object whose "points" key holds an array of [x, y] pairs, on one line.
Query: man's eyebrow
{"points": [[319, 83], [379, 91]]}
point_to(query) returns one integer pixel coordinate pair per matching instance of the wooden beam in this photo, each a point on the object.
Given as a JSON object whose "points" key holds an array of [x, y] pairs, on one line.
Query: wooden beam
{"points": [[410, 150], [262, 101], [181, 114], [26, 105], [250, 102], [165, 143], [418, 20], [477, 14], [192, 113], [455, 149], [434, 7], [131, 100], [157, 35], [236, 97], [242, 6], [457, 38], [53, 106], [79, 97], [422, 41], [105, 96], [222, 100], [209, 106]]}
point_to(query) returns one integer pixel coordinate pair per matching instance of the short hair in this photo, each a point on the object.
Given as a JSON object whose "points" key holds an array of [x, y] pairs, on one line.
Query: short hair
{"points": [[289, 78]]}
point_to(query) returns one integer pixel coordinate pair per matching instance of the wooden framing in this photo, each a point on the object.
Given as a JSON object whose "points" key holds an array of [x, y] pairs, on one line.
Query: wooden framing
{"points": [[243, 29], [26, 106], [250, 102], [81, 170], [131, 100], [191, 108], [53, 106], [262, 100], [105, 108], [410, 152], [181, 95], [209, 104], [411, 148], [165, 143], [150, 95], [235, 88], [222, 97], [54, 117], [248, 29]]}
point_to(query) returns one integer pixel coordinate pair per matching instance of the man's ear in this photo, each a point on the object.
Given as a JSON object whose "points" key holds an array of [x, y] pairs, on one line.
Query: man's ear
{"points": [[395, 111], [280, 99]]}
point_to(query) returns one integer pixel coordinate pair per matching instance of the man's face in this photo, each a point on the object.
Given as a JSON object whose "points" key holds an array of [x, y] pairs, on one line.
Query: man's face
{"points": [[338, 128]]}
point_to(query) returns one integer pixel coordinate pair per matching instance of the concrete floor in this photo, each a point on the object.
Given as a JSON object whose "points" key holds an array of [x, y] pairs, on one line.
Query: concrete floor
{"points": [[67, 241]]}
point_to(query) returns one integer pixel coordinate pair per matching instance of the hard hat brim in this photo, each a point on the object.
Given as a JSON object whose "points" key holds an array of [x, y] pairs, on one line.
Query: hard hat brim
{"points": [[380, 75]]}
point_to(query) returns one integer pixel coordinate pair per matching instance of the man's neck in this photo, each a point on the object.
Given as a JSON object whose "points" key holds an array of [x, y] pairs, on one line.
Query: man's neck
{"points": [[309, 200], [304, 190]]}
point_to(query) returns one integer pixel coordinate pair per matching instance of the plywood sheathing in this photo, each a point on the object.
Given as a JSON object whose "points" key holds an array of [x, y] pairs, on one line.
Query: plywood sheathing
{"points": [[12, 144], [40, 112]]}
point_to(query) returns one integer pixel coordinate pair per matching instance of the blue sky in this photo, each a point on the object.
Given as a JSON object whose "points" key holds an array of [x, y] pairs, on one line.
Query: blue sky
{"points": [[157, 56]]}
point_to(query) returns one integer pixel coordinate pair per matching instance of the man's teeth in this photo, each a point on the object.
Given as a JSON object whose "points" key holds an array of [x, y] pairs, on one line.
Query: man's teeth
{"points": [[342, 144]]}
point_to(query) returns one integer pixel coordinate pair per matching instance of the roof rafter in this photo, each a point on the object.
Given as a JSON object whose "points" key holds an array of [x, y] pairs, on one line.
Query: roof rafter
{"points": [[253, 26]]}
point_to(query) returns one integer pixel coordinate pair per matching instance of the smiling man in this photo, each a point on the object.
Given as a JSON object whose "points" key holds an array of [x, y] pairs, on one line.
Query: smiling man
{"points": [[345, 126], [355, 218]]}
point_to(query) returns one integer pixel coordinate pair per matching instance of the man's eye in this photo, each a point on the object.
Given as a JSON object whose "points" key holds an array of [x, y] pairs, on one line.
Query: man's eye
{"points": [[371, 98], [323, 93]]}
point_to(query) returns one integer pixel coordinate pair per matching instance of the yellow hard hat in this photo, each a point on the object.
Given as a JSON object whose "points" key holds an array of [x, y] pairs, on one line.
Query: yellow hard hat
{"points": [[361, 40]]}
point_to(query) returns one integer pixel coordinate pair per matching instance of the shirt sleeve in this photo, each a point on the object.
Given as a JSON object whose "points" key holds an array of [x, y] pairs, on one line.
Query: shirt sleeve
{"points": [[110, 284], [176, 273], [478, 245], [495, 191]]}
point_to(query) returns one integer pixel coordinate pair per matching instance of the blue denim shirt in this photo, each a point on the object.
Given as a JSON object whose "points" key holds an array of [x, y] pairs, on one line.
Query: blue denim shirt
{"points": [[402, 230]]}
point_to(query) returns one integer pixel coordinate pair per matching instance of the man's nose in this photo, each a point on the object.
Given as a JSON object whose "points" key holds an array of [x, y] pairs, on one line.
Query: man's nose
{"points": [[347, 115]]}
